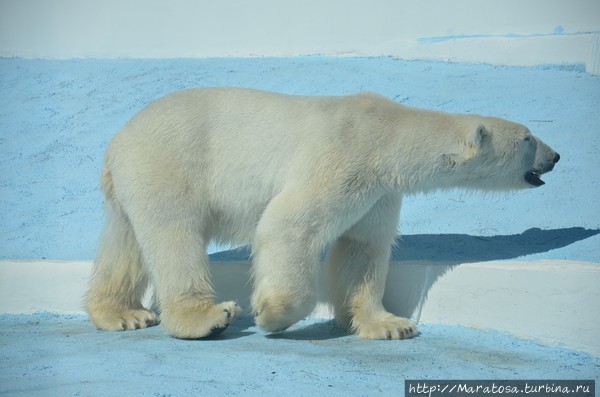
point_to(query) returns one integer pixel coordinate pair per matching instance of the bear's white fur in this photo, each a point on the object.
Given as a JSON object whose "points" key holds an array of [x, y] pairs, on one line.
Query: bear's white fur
{"points": [[292, 176]]}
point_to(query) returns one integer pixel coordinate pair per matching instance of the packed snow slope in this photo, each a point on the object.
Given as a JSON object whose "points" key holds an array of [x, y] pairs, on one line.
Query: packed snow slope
{"points": [[56, 118]]}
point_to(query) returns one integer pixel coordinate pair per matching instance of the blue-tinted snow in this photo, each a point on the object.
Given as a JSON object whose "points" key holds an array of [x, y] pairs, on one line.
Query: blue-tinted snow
{"points": [[56, 118]]}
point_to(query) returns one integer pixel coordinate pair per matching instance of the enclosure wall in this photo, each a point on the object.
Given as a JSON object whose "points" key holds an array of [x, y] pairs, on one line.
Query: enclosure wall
{"points": [[510, 32]]}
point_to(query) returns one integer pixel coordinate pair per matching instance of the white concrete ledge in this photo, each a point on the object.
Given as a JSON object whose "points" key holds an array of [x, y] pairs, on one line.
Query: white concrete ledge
{"points": [[552, 302]]}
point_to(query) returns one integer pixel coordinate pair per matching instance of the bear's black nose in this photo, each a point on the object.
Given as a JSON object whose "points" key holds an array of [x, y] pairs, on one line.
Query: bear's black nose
{"points": [[556, 158]]}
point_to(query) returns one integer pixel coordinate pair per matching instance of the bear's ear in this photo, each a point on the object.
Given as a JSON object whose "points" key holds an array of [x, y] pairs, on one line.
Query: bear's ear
{"points": [[477, 136], [474, 140]]}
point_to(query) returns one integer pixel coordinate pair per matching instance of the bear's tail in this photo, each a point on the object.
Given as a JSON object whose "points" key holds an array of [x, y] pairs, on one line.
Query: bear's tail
{"points": [[106, 183]]}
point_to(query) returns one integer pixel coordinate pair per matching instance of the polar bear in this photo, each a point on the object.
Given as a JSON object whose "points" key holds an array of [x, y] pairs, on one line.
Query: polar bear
{"points": [[293, 176]]}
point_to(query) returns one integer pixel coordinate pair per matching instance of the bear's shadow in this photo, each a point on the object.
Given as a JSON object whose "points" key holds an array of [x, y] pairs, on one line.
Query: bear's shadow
{"points": [[417, 262], [467, 249], [462, 248]]}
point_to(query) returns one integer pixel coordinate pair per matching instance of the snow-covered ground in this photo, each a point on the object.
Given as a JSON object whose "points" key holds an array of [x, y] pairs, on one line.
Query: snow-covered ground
{"points": [[62, 355], [56, 118]]}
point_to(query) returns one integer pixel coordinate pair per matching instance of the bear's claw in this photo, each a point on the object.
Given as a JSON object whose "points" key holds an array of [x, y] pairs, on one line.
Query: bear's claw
{"points": [[217, 330]]}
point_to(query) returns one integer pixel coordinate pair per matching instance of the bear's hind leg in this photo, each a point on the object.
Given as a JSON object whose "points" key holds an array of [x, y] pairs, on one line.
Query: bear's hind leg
{"points": [[175, 253], [118, 281], [357, 264]]}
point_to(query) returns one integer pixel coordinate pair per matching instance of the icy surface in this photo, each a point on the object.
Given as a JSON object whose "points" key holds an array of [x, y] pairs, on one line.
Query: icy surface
{"points": [[63, 355]]}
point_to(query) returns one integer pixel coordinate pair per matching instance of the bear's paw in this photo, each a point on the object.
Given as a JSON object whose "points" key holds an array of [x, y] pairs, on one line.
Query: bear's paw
{"points": [[385, 326], [125, 320], [199, 320]]}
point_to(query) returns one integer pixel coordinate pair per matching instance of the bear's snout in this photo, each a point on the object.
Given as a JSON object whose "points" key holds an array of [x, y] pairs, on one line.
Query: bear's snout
{"points": [[546, 164]]}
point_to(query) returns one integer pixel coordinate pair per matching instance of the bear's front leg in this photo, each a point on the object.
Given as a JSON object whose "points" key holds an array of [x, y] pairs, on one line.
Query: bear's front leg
{"points": [[357, 264], [285, 260]]}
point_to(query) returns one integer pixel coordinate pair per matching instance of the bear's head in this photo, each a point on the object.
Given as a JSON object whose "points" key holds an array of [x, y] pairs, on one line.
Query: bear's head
{"points": [[502, 155]]}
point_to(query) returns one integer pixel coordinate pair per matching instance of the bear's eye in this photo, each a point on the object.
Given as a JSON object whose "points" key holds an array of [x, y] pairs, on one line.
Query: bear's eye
{"points": [[527, 138]]}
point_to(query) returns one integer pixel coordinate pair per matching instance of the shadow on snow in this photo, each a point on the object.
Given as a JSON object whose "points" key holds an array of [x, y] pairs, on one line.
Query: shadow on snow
{"points": [[418, 261], [462, 248]]}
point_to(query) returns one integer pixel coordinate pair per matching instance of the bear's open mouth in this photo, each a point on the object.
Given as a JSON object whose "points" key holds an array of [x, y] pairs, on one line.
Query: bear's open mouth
{"points": [[533, 178]]}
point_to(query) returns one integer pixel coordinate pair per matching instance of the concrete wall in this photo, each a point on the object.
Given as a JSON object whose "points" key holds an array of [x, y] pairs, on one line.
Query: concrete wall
{"points": [[551, 302], [510, 32]]}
